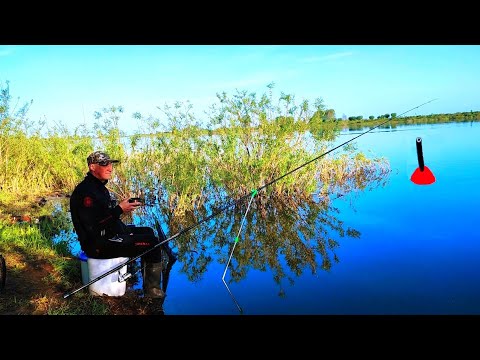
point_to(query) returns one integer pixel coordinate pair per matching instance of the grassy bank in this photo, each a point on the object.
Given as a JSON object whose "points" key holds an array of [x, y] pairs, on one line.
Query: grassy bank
{"points": [[40, 272]]}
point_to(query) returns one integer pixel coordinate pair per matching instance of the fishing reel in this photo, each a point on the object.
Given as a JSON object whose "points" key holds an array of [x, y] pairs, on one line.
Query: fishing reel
{"points": [[124, 277]]}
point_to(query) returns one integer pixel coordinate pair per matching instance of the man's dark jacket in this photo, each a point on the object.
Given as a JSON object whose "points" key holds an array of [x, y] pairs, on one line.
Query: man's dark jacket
{"points": [[95, 216]]}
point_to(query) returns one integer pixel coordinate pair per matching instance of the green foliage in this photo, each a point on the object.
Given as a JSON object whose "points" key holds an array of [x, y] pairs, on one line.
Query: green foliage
{"points": [[392, 120], [31, 163], [258, 139]]}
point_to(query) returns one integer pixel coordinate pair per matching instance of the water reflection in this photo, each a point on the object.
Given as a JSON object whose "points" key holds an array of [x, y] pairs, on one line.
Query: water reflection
{"points": [[285, 235], [276, 236]]}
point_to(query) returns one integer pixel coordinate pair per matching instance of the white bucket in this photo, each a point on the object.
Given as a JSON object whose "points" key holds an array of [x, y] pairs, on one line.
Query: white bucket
{"points": [[109, 285]]}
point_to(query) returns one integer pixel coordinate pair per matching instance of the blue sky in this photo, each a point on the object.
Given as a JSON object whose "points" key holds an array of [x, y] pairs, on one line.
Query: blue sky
{"points": [[68, 83]]}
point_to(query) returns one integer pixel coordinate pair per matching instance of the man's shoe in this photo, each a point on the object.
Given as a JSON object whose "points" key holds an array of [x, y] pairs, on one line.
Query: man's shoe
{"points": [[154, 293]]}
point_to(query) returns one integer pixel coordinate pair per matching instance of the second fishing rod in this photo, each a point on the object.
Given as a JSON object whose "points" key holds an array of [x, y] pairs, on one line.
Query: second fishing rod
{"points": [[232, 203]]}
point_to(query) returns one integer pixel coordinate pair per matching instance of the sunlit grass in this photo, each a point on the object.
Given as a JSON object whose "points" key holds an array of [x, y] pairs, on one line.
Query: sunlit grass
{"points": [[23, 245]]}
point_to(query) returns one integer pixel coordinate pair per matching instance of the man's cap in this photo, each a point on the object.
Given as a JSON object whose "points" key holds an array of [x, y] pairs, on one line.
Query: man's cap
{"points": [[98, 157]]}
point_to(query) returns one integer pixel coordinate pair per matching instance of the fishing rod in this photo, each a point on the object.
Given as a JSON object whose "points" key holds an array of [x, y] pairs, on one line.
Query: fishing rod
{"points": [[232, 202]]}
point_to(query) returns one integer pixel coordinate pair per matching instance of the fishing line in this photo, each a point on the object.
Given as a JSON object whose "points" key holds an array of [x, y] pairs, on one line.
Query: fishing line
{"points": [[233, 202], [254, 192]]}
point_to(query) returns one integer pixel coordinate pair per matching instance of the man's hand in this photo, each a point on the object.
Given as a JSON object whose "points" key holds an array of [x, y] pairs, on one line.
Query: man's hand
{"points": [[129, 206]]}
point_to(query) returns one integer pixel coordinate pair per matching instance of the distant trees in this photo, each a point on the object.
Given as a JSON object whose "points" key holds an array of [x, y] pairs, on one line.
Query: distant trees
{"points": [[355, 117], [371, 117]]}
